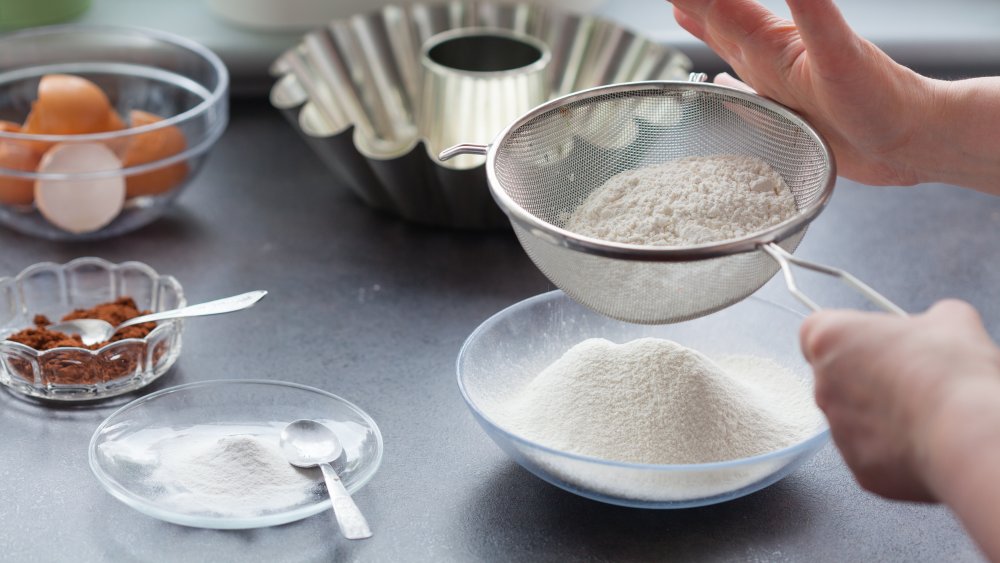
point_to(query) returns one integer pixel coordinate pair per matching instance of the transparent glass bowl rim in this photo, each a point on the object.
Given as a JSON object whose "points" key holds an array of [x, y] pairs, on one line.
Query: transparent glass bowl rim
{"points": [[218, 93], [130, 498], [182, 301], [820, 437]]}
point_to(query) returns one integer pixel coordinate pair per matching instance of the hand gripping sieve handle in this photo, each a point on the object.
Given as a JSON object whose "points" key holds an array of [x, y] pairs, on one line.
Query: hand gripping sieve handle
{"points": [[785, 259], [464, 148]]}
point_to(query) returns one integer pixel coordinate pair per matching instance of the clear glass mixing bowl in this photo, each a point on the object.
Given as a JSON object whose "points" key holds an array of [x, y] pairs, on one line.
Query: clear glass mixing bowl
{"points": [[138, 69], [514, 345]]}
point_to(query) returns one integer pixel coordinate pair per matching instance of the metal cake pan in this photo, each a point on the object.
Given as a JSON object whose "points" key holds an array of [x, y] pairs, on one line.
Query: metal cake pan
{"points": [[352, 88]]}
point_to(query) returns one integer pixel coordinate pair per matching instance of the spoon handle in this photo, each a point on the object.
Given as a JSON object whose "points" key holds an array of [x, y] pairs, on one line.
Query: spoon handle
{"points": [[349, 518], [224, 305]]}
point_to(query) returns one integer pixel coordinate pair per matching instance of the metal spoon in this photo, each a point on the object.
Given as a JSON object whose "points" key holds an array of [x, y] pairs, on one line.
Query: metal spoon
{"points": [[307, 443], [92, 331]]}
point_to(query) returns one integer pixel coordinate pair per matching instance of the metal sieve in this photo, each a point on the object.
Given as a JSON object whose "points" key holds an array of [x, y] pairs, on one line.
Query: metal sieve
{"points": [[542, 166]]}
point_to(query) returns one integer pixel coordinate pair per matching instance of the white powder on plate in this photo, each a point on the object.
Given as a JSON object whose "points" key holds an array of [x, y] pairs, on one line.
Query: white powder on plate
{"points": [[689, 201], [220, 470], [235, 475], [654, 401]]}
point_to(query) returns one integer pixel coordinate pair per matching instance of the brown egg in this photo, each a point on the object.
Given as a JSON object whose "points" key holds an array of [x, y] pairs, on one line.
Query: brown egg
{"points": [[114, 122], [70, 105], [17, 156], [150, 147]]}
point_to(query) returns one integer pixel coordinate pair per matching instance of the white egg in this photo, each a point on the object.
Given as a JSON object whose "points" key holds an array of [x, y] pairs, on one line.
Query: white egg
{"points": [[80, 205]]}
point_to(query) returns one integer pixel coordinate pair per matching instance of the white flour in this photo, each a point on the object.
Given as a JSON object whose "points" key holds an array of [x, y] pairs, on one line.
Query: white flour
{"points": [[689, 201], [655, 401], [231, 471]]}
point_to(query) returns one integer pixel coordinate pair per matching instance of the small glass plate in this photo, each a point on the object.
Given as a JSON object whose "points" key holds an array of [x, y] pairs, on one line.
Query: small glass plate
{"points": [[124, 451]]}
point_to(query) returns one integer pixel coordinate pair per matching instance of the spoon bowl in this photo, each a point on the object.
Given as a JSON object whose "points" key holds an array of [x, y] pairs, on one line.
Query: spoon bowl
{"points": [[308, 443], [92, 331]]}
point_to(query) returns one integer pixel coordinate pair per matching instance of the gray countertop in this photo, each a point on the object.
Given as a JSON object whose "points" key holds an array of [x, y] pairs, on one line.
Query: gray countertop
{"points": [[375, 310]]}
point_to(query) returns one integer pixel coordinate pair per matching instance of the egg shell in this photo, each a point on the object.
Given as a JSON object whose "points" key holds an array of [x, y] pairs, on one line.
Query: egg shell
{"points": [[70, 105], [150, 147], [17, 156], [80, 205]]}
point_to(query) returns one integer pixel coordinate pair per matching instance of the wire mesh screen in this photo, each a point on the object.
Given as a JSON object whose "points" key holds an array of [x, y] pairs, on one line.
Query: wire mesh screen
{"points": [[549, 164]]}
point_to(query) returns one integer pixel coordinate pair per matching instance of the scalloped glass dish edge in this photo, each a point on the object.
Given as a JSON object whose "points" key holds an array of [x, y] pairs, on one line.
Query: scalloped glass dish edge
{"points": [[171, 332]]}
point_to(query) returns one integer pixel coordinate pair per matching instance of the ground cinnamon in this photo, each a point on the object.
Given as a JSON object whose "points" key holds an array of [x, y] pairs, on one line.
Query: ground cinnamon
{"points": [[116, 312], [79, 367]]}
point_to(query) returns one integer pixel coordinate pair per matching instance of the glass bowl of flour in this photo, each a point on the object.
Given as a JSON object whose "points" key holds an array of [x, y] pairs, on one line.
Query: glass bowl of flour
{"points": [[669, 416], [207, 454]]}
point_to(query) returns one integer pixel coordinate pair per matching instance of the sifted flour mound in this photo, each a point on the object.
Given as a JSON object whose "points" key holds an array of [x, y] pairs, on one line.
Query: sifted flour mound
{"points": [[655, 401], [240, 475], [693, 200]]}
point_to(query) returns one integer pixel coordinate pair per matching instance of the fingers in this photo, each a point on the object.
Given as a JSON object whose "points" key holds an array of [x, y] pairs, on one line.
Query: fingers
{"points": [[748, 36], [726, 79], [825, 331], [693, 21], [690, 23], [826, 35], [743, 20], [827, 336], [960, 311], [694, 7], [963, 319], [822, 331]]}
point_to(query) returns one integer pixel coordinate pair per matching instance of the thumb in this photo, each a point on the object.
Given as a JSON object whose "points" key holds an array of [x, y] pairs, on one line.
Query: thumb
{"points": [[807, 335], [726, 79], [826, 329]]}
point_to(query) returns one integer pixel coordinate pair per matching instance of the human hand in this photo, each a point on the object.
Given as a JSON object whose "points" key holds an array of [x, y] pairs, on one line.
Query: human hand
{"points": [[869, 109], [898, 393]]}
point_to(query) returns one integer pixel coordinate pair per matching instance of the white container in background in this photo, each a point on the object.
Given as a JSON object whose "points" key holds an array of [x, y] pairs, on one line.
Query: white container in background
{"points": [[286, 15]]}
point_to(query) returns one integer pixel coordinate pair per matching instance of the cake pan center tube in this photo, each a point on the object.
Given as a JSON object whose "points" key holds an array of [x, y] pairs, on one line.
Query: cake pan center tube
{"points": [[474, 82]]}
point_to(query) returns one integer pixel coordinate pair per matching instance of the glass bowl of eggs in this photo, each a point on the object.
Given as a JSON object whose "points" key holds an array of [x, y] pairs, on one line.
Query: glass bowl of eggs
{"points": [[669, 416], [101, 128]]}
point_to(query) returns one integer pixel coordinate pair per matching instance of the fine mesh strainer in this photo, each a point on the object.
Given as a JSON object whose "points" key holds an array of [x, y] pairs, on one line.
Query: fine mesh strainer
{"points": [[542, 166]]}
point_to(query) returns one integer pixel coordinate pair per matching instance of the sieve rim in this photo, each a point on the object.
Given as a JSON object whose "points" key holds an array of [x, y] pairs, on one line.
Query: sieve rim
{"points": [[590, 245]]}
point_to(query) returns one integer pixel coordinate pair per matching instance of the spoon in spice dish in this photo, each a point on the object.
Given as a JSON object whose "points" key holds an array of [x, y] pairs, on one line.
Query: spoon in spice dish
{"points": [[92, 331], [307, 443]]}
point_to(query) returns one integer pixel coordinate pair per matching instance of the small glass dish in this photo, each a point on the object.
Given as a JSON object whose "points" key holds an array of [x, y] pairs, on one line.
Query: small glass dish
{"points": [[171, 77], [514, 345], [71, 374], [122, 458]]}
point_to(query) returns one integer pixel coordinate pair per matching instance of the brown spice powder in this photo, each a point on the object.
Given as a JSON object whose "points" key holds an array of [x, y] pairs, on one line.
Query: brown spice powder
{"points": [[116, 312], [76, 366]]}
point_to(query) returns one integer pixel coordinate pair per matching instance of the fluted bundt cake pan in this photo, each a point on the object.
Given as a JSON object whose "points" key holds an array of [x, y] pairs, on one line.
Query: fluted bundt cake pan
{"points": [[355, 91]]}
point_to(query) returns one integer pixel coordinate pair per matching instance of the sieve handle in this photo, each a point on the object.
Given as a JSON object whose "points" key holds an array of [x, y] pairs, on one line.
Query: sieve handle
{"points": [[464, 148], [785, 259]]}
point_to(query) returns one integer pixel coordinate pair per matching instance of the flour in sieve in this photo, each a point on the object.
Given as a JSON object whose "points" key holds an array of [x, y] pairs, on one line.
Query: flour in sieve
{"points": [[654, 401], [693, 200]]}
